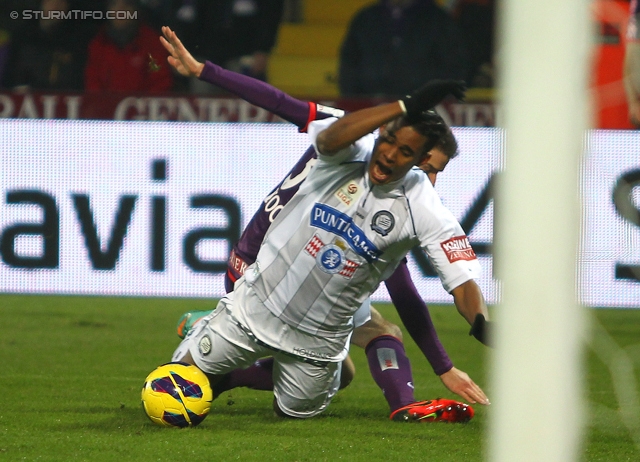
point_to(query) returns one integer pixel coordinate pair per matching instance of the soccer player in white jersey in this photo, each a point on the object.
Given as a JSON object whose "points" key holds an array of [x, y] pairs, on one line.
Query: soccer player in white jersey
{"points": [[359, 212], [380, 339]]}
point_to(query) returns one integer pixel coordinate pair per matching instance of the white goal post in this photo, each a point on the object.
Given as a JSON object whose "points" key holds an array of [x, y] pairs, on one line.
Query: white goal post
{"points": [[543, 51]]}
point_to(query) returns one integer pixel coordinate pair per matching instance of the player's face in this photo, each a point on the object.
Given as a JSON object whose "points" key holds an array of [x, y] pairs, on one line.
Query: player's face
{"points": [[435, 162], [396, 152]]}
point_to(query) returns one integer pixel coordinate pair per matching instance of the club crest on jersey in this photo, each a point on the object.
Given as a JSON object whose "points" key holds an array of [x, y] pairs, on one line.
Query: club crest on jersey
{"points": [[330, 219], [349, 193], [383, 222], [458, 248], [330, 258]]}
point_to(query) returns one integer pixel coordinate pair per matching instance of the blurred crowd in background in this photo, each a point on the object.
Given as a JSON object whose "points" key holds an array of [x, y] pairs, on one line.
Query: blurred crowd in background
{"points": [[382, 49], [390, 47]]}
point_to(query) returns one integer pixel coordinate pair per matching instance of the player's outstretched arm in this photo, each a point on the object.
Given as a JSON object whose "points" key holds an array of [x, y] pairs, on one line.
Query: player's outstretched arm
{"points": [[354, 126], [254, 91]]}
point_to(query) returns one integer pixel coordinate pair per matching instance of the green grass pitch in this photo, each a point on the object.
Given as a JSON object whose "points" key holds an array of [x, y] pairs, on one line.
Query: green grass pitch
{"points": [[72, 369]]}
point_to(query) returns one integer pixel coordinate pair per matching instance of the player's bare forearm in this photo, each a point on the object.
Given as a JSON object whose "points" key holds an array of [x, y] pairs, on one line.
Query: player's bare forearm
{"points": [[469, 301], [354, 126], [460, 383]]}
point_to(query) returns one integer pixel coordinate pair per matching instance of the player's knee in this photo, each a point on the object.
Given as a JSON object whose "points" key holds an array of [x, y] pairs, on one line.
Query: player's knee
{"points": [[378, 326], [381, 327], [297, 408], [186, 358], [279, 412], [393, 330]]}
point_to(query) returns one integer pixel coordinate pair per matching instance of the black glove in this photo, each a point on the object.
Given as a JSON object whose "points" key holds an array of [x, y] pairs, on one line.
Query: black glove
{"points": [[481, 330], [431, 94]]}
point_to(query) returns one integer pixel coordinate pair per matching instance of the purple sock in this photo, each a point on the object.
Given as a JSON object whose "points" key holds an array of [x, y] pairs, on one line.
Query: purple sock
{"points": [[257, 377], [391, 370]]}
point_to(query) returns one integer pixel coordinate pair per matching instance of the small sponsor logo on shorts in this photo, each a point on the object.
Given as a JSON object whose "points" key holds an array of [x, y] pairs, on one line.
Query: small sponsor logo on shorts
{"points": [[310, 353], [205, 345], [458, 248], [383, 222]]}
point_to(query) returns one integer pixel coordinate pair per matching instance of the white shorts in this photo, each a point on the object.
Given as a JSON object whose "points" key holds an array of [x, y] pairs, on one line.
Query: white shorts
{"points": [[363, 314], [218, 345]]}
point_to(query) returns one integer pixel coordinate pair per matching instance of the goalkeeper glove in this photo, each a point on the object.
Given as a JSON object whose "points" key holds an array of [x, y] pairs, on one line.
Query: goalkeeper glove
{"points": [[481, 329], [431, 94]]}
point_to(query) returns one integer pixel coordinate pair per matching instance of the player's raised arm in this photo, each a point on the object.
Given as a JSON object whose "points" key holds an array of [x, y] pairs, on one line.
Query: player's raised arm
{"points": [[254, 91], [354, 126], [357, 124]]}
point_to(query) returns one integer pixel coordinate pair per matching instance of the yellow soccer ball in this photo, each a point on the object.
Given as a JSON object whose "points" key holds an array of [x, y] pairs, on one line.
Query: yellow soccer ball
{"points": [[176, 395]]}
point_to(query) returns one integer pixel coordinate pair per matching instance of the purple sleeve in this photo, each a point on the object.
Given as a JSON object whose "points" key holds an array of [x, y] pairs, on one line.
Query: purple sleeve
{"points": [[260, 94], [416, 318]]}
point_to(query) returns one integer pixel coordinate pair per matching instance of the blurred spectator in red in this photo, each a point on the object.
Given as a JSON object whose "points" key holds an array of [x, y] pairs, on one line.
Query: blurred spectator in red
{"points": [[631, 70], [394, 46], [607, 79], [47, 52], [476, 20], [126, 55]]}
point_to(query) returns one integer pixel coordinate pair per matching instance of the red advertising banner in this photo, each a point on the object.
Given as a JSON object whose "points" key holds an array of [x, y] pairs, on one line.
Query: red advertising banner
{"points": [[190, 108]]}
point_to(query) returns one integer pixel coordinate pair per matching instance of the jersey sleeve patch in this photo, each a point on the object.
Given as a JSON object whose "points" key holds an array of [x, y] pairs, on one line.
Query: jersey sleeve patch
{"points": [[458, 248]]}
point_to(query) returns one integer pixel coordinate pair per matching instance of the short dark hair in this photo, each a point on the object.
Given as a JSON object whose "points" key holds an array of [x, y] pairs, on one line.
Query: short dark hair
{"points": [[433, 127]]}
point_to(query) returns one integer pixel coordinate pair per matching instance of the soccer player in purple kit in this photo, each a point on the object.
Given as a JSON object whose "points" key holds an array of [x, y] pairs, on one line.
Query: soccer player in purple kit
{"points": [[381, 339]]}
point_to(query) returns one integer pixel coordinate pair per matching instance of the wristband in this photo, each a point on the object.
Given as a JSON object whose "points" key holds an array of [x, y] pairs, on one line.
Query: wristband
{"points": [[480, 329]]}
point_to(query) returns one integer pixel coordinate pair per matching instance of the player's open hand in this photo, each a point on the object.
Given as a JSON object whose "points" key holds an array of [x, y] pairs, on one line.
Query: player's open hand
{"points": [[179, 58], [461, 384]]}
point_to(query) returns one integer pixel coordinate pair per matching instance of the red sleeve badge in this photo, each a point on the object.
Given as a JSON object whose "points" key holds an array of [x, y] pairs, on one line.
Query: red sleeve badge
{"points": [[458, 248]]}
